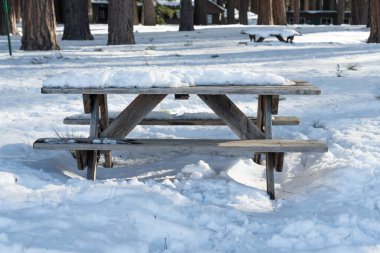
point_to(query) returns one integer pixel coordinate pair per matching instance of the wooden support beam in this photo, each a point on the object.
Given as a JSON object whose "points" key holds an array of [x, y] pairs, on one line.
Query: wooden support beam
{"points": [[92, 156], [260, 123], [269, 156], [86, 103], [240, 124], [104, 122], [131, 116]]}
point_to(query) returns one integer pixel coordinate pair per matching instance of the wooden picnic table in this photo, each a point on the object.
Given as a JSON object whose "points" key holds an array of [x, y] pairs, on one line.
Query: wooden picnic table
{"points": [[254, 137]]}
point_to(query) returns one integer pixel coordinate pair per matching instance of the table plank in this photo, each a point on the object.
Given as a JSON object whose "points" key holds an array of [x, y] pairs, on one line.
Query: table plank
{"points": [[300, 88]]}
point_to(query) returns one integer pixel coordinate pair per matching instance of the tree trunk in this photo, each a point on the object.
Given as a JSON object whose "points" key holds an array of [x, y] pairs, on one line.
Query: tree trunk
{"points": [[243, 12], [306, 5], [265, 13], [340, 12], [77, 23], [320, 5], [186, 20], [374, 36], [58, 9], [90, 12], [135, 11], [296, 12], [120, 22], [18, 10], [11, 16], [254, 7], [200, 14], [359, 12], [231, 4], [313, 5], [148, 13], [279, 12], [332, 5], [38, 25]]}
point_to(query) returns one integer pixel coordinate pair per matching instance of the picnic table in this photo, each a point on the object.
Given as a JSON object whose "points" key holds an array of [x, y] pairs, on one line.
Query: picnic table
{"points": [[255, 135], [282, 34]]}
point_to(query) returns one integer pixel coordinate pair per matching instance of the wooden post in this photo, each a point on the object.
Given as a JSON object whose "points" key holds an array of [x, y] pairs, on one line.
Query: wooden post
{"points": [[269, 156], [104, 122], [94, 132], [260, 123]]}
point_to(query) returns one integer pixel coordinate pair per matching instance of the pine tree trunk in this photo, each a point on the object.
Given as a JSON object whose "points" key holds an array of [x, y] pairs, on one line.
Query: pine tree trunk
{"points": [[11, 17], [136, 19], [18, 10], [38, 25], [254, 6], [243, 12], [231, 4], [77, 23], [296, 12], [265, 13], [313, 5], [279, 12], [374, 36], [359, 12], [90, 12], [148, 13], [340, 12], [200, 15], [120, 22], [306, 5], [186, 20]]}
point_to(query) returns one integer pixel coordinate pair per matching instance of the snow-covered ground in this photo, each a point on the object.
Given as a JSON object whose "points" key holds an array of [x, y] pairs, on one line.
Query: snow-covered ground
{"points": [[171, 202]]}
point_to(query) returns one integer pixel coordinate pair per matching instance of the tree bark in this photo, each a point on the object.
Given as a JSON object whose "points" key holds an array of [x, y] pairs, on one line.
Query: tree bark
{"points": [[243, 12], [120, 22], [296, 11], [90, 12], [340, 12], [254, 7], [38, 25], [136, 19], [200, 14], [306, 5], [265, 13], [77, 22], [359, 12], [11, 16], [374, 36], [279, 12], [186, 20], [148, 13], [231, 4], [313, 5]]}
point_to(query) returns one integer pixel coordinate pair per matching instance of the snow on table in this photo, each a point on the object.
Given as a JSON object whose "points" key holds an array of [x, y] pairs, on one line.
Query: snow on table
{"points": [[160, 77], [272, 32]]}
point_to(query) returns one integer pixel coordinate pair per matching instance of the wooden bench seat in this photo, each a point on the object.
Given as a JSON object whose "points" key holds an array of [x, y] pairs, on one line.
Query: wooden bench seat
{"points": [[282, 34], [187, 119], [222, 146]]}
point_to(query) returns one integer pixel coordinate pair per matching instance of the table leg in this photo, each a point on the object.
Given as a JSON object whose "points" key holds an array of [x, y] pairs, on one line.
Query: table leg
{"points": [[270, 164], [92, 156], [260, 123], [104, 122]]}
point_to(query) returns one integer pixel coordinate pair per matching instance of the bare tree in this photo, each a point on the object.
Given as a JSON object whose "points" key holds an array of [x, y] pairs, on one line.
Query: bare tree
{"points": [[38, 32], [231, 4], [243, 12], [200, 15], [148, 13], [77, 22], [265, 13], [120, 22], [279, 12], [374, 36], [186, 20], [296, 11], [11, 17]]}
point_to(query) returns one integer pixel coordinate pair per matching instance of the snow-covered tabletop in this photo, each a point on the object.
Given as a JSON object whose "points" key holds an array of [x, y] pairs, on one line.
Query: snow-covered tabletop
{"points": [[149, 77], [283, 32]]}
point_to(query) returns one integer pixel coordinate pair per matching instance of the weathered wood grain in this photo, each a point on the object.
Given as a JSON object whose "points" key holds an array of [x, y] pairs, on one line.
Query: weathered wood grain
{"points": [[131, 116], [234, 118], [225, 146], [300, 88], [92, 155], [104, 122], [81, 119]]}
